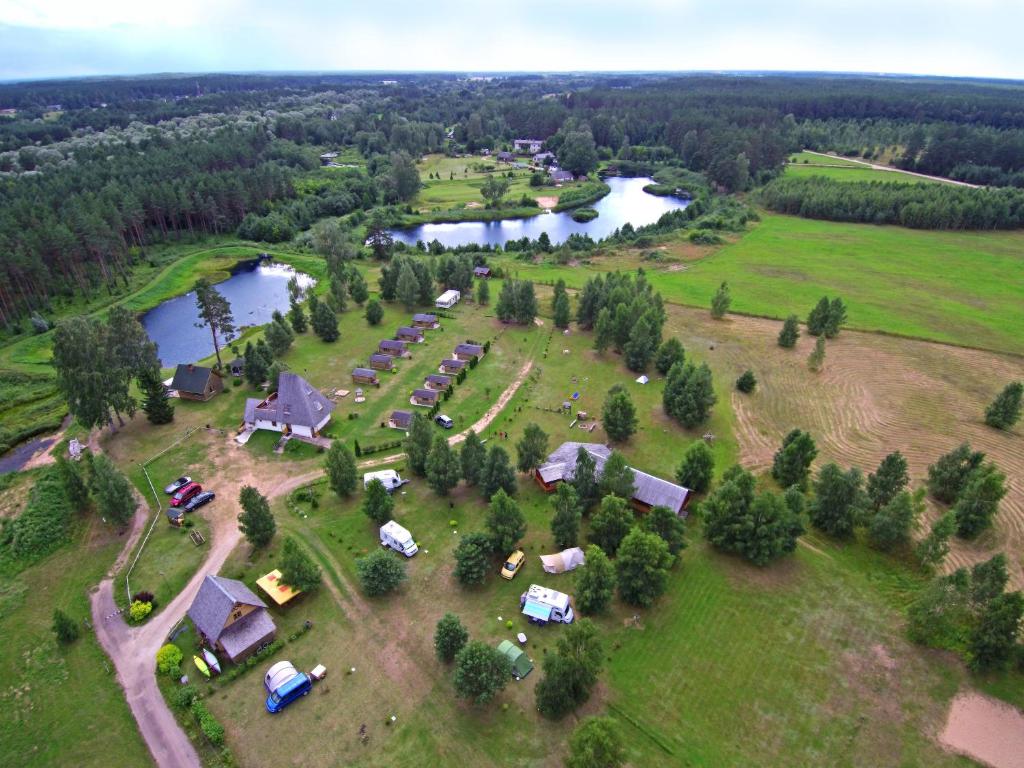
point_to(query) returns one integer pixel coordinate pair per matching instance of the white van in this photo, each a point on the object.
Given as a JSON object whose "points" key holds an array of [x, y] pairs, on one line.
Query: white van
{"points": [[389, 477], [397, 538]]}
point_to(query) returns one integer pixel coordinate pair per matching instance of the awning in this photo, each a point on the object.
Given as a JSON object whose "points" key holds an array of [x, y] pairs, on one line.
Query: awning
{"points": [[278, 592], [536, 610]]}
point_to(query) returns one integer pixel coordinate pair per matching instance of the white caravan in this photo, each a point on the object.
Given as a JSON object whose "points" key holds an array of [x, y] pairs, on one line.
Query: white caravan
{"points": [[388, 477], [397, 538], [541, 605]]}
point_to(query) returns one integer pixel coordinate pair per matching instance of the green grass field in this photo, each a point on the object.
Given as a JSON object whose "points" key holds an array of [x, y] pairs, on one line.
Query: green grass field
{"points": [[955, 287], [62, 705], [855, 173]]}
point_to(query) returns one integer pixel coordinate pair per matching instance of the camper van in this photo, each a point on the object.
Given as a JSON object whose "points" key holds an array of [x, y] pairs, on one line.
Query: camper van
{"points": [[397, 538], [389, 477], [289, 691], [541, 605]]}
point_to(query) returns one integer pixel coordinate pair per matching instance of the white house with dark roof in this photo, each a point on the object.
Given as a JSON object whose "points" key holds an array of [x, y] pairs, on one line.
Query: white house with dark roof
{"points": [[528, 146], [297, 408], [230, 618], [649, 491]]}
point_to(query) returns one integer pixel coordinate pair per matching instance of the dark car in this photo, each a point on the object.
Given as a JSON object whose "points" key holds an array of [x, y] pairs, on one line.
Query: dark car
{"points": [[181, 482], [185, 493], [199, 499], [444, 421]]}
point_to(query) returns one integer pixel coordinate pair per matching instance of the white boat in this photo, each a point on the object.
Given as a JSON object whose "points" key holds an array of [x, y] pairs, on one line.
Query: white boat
{"points": [[211, 660]]}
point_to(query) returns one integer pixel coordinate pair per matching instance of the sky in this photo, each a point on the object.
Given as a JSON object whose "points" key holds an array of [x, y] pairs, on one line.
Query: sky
{"points": [[62, 38]]}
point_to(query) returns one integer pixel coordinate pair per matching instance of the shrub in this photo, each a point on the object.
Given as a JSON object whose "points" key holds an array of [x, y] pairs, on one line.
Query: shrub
{"points": [[746, 382], [168, 660], [208, 724], [64, 627], [139, 611], [183, 697]]}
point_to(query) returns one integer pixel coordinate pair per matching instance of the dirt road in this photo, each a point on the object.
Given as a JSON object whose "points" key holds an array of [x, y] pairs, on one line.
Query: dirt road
{"points": [[133, 649]]}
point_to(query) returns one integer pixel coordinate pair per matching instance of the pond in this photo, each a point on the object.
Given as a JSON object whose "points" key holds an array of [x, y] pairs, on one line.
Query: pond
{"points": [[627, 202], [254, 290]]}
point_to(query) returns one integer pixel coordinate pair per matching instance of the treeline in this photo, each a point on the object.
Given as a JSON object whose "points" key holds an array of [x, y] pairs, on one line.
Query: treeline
{"points": [[71, 231], [919, 206]]}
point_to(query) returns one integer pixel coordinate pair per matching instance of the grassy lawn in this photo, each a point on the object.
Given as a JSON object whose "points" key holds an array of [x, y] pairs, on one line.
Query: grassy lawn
{"points": [[810, 158], [62, 704], [853, 172], [956, 287]]}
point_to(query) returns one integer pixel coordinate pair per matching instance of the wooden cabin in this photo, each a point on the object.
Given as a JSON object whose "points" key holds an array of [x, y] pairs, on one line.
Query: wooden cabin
{"points": [[400, 420], [425, 321], [437, 381], [381, 362], [196, 382], [410, 334], [365, 376], [393, 347], [452, 366], [425, 397], [468, 352]]}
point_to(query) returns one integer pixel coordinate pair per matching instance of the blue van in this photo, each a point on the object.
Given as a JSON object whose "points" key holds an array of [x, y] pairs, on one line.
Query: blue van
{"points": [[287, 692]]}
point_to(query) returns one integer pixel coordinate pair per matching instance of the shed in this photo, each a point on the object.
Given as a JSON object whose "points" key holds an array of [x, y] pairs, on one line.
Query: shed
{"points": [[393, 347], [365, 376], [237, 366], [196, 382], [468, 351], [437, 381], [380, 362], [519, 661], [427, 397], [421, 320], [408, 333], [400, 420], [176, 516]]}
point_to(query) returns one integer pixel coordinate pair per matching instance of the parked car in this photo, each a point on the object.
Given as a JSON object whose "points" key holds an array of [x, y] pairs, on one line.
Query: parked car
{"points": [[185, 493], [444, 421], [298, 686], [181, 482], [512, 564], [198, 500]]}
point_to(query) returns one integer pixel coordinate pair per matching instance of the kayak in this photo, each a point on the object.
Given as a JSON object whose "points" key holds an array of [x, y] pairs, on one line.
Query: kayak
{"points": [[201, 665], [211, 661]]}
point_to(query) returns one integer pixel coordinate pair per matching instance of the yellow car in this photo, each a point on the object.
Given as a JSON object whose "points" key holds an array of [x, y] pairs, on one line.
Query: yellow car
{"points": [[513, 564]]}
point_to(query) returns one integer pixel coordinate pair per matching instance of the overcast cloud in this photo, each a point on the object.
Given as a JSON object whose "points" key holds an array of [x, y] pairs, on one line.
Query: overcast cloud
{"points": [[56, 38]]}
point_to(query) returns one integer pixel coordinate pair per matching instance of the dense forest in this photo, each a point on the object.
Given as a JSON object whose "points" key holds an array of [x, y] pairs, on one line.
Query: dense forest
{"points": [[94, 170]]}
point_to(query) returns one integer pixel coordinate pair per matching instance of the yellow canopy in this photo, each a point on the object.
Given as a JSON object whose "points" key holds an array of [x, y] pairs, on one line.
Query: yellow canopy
{"points": [[279, 593]]}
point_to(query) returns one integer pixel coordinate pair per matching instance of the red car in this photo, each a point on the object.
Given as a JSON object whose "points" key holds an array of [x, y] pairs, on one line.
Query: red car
{"points": [[185, 493]]}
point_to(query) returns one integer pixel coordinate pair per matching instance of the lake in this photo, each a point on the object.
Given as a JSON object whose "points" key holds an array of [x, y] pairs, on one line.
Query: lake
{"points": [[627, 202], [255, 289]]}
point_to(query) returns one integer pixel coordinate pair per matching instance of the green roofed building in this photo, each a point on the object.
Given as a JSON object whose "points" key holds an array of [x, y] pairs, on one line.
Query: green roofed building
{"points": [[521, 664]]}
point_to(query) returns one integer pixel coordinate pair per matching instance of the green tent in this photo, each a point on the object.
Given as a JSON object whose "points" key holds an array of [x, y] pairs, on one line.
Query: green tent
{"points": [[521, 664]]}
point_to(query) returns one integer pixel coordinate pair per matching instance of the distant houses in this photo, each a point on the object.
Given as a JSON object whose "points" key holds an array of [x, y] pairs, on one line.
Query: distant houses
{"points": [[527, 146], [297, 408], [559, 176], [327, 158], [544, 158], [481, 272], [393, 347], [505, 157], [650, 491], [196, 382]]}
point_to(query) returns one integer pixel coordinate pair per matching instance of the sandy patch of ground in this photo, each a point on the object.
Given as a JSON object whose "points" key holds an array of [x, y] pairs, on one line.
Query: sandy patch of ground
{"points": [[985, 730], [549, 201], [474, 204]]}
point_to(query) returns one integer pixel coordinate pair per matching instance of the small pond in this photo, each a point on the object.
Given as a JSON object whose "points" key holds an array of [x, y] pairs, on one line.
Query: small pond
{"points": [[255, 289], [627, 202]]}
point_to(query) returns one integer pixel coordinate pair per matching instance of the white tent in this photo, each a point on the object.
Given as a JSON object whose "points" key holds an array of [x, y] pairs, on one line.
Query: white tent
{"points": [[642, 379], [563, 561]]}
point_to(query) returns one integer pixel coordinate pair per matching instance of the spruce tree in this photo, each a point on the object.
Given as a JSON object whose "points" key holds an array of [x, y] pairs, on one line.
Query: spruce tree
{"points": [[584, 480], [418, 444], [838, 500], [948, 476], [817, 320], [618, 415], [75, 487], [297, 317], [357, 287], [668, 525], [934, 547], [816, 360], [790, 332], [697, 468], [1005, 410], [155, 401], [562, 310], [505, 522], [298, 570], [747, 382], [617, 477], [325, 322], [532, 448], [449, 637], [642, 568], [408, 287], [473, 558], [341, 469], [888, 481], [791, 464], [720, 301], [378, 504], [595, 582], [483, 293], [443, 467], [565, 523], [256, 367], [472, 457], [603, 330], [995, 635], [256, 521], [64, 627], [669, 353], [689, 394], [374, 312], [642, 345], [977, 504], [836, 318], [111, 491], [611, 523], [279, 336], [891, 525], [497, 474]]}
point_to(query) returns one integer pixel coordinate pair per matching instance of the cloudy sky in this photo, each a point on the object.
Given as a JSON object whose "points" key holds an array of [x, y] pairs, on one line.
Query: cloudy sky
{"points": [[47, 38]]}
